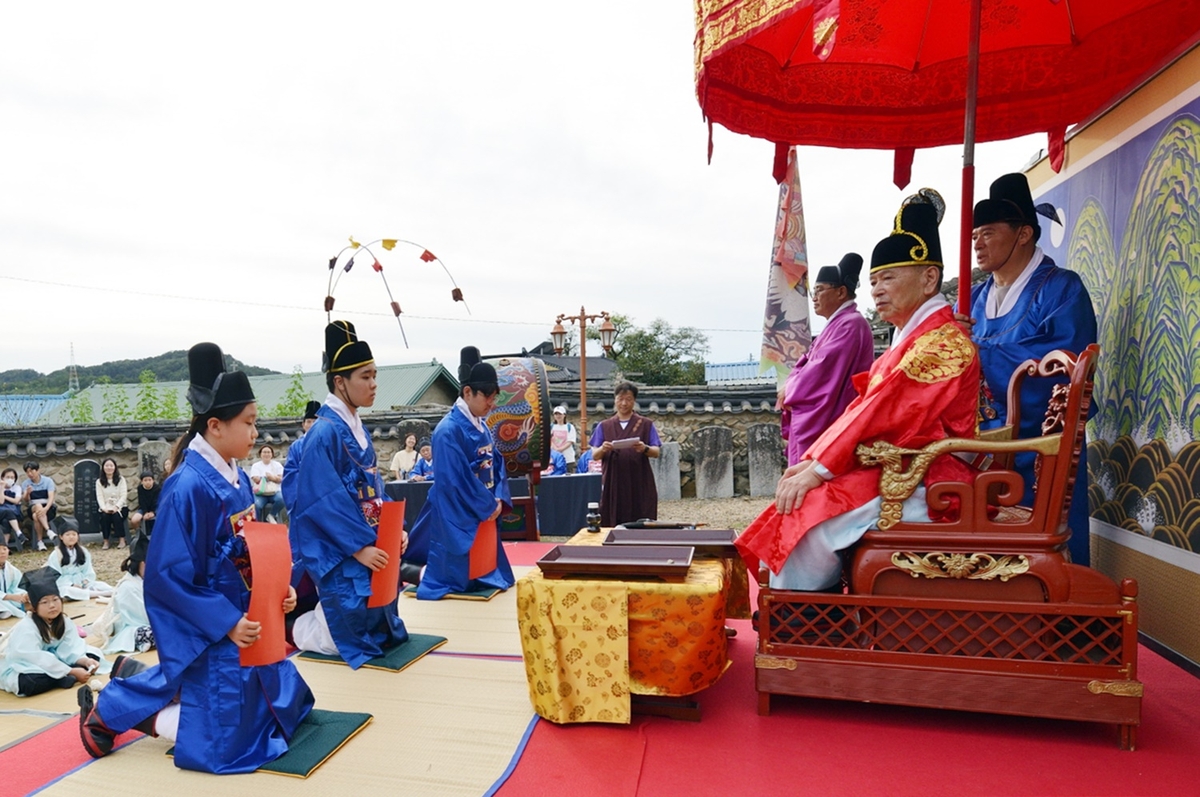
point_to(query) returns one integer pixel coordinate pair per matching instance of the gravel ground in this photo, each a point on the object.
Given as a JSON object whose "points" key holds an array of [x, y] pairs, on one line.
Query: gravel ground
{"points": [[717, 513]]}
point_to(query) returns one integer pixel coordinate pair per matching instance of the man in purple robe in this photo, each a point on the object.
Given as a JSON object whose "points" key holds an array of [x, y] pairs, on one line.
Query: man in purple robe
{"points": [[624, 444], [818, 389]]}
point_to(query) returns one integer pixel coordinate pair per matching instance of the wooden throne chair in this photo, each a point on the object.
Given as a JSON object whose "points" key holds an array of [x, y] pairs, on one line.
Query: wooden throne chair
{"points": [[984, 613]]}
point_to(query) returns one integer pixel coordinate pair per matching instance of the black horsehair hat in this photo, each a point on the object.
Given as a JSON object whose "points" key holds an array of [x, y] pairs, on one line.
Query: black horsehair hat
{"points": [[1010, 201], [310, 409], [211, 386], [473, 373], [844, 274], [914, 240], [138, 551], [40, 583], [343, 350]]}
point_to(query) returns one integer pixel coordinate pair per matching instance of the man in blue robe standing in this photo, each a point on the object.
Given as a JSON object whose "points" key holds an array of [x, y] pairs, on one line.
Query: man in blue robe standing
{"points": [[336, 494], [471, 487], [1026, 308]]}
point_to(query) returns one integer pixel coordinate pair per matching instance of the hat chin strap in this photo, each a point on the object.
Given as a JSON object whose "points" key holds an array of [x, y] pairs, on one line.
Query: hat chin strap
{"points": [[345, 394]]}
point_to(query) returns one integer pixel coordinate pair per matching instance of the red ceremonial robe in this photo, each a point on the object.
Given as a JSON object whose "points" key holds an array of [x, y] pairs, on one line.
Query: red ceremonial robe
{"points": [[926, 388]]}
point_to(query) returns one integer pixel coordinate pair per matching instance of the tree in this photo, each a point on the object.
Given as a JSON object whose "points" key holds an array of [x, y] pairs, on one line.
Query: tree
{"points": [[79, 409], [147, 406], [115, 406], [658, 354], [168, 406], [295, 399]]}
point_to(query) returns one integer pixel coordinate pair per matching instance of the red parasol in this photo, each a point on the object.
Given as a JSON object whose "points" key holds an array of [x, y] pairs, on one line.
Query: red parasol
{"points": [[907, 74]]}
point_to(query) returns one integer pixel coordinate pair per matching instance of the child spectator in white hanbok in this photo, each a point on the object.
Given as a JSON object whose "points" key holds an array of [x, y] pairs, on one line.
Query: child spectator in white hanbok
{"points": [[125, 626], [44, 650], [76, 576], [12, 596]]}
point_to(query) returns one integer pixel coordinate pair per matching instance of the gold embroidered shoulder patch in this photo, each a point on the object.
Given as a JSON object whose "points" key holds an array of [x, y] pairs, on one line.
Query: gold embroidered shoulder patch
{"points": [[938, 355]]}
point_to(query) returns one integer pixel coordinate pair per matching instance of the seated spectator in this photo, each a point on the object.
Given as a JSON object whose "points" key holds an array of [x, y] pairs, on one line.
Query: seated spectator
{"points": [[586, 464], [12, 595], [10, 509], [558, 465], [148, 492], [125, 627], [423, 470], [76, 575], [44, 649], [405, 459], [112, 497], [266, 476], [38, 492]]}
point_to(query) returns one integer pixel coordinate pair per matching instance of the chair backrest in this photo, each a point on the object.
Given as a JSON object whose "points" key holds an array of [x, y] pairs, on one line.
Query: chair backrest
{"points": [[1067, 406]]}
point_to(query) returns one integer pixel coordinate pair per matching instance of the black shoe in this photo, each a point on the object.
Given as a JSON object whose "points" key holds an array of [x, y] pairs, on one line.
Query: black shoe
{"points": [[410, 573], [127, 667], [97, 738]]}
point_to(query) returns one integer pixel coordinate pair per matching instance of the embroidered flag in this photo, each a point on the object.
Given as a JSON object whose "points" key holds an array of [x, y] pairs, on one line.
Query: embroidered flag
{"points": [[786, 330]]}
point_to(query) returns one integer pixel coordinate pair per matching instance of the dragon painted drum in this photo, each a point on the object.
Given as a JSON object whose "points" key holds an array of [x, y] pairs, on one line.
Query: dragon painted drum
{"points": [[520, 423]]}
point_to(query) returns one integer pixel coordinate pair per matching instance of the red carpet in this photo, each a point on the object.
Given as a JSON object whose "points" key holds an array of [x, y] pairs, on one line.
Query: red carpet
{"points": [[827, 747], [37, 762]]}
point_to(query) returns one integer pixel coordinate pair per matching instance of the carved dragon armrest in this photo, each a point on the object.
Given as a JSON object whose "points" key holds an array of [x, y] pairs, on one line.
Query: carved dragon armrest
{"points": [[896, 483]]}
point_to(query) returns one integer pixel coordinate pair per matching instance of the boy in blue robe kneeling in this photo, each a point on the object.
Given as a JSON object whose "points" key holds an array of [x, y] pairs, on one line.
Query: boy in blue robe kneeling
{"points": [[471, 487], [334, 495]]}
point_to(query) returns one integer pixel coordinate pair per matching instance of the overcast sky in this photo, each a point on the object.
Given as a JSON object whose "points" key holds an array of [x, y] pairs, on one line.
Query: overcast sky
{"points": [[174, 174]]}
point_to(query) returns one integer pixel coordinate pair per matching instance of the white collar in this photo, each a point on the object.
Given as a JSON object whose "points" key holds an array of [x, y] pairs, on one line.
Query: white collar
{"points": [[350, 416], [840, 310], [461, 406], [931, 306], [227, 469], [994, 307]]}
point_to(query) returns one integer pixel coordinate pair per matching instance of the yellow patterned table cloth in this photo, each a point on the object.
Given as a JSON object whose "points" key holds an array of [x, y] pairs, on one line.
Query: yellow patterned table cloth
{"points": [[589, 644]]}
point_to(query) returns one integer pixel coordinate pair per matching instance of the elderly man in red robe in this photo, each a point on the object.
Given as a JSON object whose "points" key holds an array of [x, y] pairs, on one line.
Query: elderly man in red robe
{"points": [[923, 388], [818, 389]]}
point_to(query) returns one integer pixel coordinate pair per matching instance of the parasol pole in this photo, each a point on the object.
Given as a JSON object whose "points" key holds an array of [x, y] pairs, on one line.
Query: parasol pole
{"points": [[968, 174]]}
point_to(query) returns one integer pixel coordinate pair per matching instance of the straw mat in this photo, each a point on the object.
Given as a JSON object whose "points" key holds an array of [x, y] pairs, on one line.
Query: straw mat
{"points": [[15, 727], [446, 726], [482, 628]]}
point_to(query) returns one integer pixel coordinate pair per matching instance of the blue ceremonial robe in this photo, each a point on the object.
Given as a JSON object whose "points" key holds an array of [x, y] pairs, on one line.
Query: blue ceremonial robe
{"points": [[287, 489], [232, 718], [471, 476], [335, 513], [1054, 311]]}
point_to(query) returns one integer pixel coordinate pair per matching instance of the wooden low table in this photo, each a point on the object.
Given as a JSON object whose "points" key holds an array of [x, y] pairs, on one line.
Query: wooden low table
{"points": [[596, 649]]}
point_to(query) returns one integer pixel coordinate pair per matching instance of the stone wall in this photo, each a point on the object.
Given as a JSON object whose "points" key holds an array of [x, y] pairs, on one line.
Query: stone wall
{"points": [[58, 449]]}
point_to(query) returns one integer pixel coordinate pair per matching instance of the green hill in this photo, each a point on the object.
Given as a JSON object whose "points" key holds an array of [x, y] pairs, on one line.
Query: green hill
{"points": [[168, 367]]}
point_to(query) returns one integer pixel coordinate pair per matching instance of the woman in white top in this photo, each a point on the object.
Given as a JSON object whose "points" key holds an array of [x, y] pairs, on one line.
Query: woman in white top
{"points": [[112, 496], [405, 459], [266, 475], [563, 436]]}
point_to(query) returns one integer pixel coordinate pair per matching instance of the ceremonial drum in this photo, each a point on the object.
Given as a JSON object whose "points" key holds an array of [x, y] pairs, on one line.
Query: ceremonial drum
{"points": [[520, 423]]}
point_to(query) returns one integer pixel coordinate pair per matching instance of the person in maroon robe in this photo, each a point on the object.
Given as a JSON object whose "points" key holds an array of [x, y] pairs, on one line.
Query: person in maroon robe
{"points": [[624, 444], [819, 389]]}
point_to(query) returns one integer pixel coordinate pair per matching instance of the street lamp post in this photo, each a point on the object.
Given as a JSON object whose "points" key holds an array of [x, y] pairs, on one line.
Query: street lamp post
{"points": [[559, 335]]}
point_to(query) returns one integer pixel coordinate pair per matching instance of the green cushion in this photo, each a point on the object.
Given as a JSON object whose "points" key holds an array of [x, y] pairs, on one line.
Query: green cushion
{"points": [[316, 740], [485, 594], [394, 659]]}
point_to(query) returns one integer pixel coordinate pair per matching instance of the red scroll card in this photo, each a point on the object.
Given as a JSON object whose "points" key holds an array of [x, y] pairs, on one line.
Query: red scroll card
{"points": [[271, 566], [385, 583], [482, 558]]}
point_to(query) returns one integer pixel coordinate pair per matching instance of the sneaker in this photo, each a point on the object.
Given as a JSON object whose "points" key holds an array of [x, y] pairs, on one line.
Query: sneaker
{"points": [[97, 738], [51, 535], [41, 546]]}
